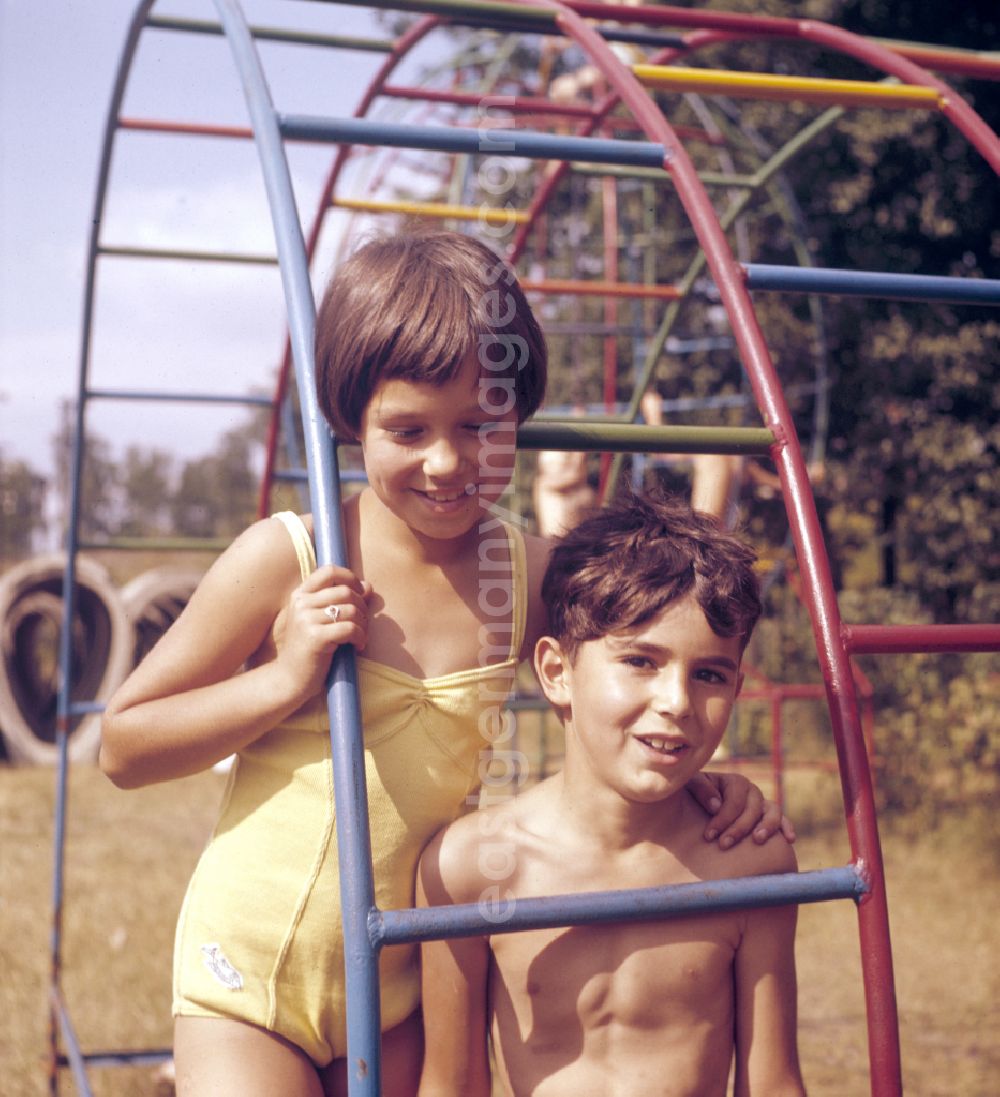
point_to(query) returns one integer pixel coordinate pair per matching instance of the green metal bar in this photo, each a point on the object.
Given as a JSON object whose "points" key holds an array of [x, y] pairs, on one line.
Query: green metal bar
{"points": [[164, 544], [272, 34], [474, 12], [638, 438], [709, 178], [181, 253]]}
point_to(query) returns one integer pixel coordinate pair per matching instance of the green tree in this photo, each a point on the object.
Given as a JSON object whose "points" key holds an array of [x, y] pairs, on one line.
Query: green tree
{"points": [[146, 480], [217, 494], [99, 480], [22, 508]]}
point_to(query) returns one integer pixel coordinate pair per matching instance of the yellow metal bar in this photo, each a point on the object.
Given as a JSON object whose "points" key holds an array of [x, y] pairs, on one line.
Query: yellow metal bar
{"points": [[486, 214], [758, 85]]}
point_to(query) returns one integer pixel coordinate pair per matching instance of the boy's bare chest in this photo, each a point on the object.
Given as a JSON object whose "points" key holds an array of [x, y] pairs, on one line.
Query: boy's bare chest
{"points": [[656, 975]]}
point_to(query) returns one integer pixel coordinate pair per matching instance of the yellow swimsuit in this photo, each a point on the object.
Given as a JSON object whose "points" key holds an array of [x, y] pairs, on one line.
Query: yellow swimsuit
{"points": [[260, 935]]}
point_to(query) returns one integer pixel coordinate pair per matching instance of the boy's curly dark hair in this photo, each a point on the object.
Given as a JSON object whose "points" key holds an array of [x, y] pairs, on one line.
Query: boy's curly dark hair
{"points": [[621, 565]]}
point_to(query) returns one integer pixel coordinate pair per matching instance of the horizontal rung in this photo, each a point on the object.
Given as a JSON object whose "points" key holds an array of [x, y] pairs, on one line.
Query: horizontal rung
{"points": [[860, 283], [181, 397], [632, 905], [577, 288], [121, 1058], [158, 544], [272, 34], [758, 85], [471, 141], [486, 215], [487, 103], [192, 255], [636, 438], [911, 639]]}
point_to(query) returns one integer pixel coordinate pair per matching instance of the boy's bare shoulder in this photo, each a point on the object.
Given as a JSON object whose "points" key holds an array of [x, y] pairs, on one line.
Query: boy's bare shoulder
{"points": [[774, 856], [453, 867], [461, 861]]}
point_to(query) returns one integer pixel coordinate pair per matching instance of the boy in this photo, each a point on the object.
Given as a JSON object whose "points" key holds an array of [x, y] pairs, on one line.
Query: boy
{"points": [[650, 609]]}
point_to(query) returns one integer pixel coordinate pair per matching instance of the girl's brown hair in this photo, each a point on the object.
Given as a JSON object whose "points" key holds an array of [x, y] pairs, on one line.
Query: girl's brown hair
{"points": [[413, 307], [622, 565]]}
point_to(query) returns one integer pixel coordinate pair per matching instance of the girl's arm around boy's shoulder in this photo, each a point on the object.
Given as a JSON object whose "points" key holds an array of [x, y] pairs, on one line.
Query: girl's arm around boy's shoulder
{"points": [[767, 1061], [185, 707], [454, 972]]}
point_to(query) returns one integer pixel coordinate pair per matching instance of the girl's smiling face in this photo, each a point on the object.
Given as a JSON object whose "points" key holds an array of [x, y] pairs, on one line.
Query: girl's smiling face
{"points": [[436, 455]]}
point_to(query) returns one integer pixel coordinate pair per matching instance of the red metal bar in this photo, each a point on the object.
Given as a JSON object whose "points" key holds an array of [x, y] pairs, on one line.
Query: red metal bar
{"points": [[516, 104], [960, 62], [902, 639], [572, 287], [855, 776], [777, 748], [191, 129], [609, 221]]}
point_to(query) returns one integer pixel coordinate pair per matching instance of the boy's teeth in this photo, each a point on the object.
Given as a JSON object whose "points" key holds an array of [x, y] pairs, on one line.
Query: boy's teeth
{"points": [[662, 745]]}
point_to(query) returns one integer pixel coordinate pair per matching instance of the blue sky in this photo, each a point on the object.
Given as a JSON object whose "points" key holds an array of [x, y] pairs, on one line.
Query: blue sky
{"points": [[158, 325]]}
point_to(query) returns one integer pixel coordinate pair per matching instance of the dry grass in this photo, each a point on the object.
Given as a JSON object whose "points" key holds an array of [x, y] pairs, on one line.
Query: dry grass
{"points": [[130, 855]]}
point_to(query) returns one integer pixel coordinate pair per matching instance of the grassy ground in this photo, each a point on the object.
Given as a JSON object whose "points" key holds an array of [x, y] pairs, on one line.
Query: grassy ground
{"points": [[130, 855]]}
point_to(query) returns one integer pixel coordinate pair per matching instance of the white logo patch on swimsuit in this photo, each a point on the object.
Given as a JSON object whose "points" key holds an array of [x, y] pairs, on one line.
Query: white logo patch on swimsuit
{"points": [[221, 968]]}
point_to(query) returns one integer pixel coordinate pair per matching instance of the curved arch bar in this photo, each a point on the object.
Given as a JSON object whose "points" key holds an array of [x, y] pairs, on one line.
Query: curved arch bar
{"points": [[353, 836]]}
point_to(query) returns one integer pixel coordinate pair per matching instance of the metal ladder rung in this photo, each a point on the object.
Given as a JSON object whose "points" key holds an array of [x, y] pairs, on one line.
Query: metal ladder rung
{"points": [[911, 639], [487, 215], [638, 438], [180, 397], [530, 144], [272, 34], [627, 905], [863, 283], [195, 255], [809, 89]]}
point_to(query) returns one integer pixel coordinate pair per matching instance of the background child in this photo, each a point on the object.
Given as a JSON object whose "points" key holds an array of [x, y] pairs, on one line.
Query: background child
{"points": [[429, 357], [650, 608]]}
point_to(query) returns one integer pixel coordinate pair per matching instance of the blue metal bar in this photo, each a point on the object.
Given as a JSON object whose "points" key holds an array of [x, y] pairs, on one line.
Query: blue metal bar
{"points": [[350, 793], [527, 143], [121, 1058], [181, 397], [73, 1057], [84, 708], [860, 283], [499, 915], [58, 1017]]}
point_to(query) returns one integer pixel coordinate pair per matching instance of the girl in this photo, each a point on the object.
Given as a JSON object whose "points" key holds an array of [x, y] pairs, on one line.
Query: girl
{"points": [[429, 357]]}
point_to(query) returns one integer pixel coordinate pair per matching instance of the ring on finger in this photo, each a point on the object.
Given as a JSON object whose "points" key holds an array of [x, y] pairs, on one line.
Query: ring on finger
{"points": [[333, 612]]}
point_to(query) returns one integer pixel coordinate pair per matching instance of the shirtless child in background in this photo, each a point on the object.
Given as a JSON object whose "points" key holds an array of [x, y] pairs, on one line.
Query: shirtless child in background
{"points": [[650, 609]]}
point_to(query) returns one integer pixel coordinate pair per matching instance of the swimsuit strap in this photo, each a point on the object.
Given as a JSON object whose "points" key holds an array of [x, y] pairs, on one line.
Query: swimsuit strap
{"points": [[302, 542]]}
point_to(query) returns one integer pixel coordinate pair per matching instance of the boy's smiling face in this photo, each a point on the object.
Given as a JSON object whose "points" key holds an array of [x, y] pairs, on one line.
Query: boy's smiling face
{"points": [[645, 708]]}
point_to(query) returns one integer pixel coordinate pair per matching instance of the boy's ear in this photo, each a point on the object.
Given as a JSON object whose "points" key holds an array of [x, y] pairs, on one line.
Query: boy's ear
{"points": [[552, 668]]}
